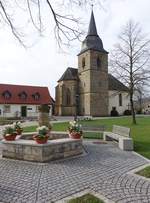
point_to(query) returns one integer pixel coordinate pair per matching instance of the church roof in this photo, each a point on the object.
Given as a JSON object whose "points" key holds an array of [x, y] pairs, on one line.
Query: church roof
{"points": [[69, 74], [92, 40], [114, 84]]}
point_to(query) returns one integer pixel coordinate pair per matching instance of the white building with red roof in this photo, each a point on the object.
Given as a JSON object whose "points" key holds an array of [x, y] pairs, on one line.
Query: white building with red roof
{"points": [[23, 101]]}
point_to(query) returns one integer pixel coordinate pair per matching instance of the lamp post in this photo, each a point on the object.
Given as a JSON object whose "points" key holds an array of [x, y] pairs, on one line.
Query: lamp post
{"points": [[76, 103]]}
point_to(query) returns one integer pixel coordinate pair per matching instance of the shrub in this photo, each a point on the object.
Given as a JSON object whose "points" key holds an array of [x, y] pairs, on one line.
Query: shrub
{"points": [[139, 111], [127, 112], [114, 112]]}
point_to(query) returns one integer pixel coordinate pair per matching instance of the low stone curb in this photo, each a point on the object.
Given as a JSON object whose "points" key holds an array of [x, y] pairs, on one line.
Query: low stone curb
{"points": [[146, 159], [133, 172], [65, 200]]}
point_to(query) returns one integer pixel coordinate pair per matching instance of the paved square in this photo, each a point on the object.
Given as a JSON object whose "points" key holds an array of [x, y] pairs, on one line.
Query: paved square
{"points": [[103, 169]]}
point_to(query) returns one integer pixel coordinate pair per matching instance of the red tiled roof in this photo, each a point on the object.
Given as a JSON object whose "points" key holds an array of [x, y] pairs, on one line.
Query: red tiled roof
{"points": [[15, 91]]}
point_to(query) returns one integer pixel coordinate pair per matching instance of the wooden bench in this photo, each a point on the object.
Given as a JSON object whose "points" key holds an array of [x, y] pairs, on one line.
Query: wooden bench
{"points": [[85, 118], [94, 129], [100, 128], [122, 135]]}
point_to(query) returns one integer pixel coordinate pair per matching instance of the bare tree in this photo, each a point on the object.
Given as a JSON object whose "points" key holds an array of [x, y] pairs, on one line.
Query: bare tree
{"points": [[67, 25], [130, 59]]}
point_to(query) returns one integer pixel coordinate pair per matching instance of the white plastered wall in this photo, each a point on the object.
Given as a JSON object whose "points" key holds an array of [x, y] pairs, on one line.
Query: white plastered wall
{"points": [[114, 101], [15, 110]]}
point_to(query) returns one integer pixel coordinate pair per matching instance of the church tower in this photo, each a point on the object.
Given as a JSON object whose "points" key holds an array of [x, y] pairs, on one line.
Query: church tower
{"points": [[93, 74]]}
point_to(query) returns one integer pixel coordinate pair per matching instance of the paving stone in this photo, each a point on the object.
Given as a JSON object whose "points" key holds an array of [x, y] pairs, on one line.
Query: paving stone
{"points": [[104, 170]]}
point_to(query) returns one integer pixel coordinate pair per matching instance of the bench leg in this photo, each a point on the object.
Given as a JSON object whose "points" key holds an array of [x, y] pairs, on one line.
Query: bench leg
{"points": [[126, 144], [106, 137]]}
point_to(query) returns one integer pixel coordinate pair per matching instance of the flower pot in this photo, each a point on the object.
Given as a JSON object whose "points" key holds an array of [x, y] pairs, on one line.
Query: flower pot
{"points": [[40, 140], [19, 131], [75, 135], [10, 137]]}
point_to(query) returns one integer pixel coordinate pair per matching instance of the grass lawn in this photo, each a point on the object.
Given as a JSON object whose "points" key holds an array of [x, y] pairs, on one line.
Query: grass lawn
{"points": [[63, 127], [88, 198], [140, 132], [55, 127], [145, 172]]}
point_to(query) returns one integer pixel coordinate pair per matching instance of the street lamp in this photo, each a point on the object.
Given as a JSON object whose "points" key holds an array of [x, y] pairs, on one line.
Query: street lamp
{"points": [[77, 105]]}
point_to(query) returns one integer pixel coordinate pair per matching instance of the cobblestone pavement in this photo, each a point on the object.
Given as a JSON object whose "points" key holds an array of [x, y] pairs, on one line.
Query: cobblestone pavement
{"points": [[103, 170]]}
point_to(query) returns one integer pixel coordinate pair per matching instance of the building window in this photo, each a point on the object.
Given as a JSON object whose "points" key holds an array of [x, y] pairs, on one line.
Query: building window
{"points": [[22, 95], [83, 63], [6, 94], [120, 99], [7, 109], [37, 108], [68, 97], [98, 61]]}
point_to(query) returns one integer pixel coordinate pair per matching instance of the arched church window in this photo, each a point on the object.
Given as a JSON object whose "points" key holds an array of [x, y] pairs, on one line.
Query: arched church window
{"points": [[120, 99], [68, 97], [98, 61], [83, 62]]}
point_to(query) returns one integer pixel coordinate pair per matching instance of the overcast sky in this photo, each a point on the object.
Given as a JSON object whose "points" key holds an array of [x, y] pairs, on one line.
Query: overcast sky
{"points": [[43, 63]]}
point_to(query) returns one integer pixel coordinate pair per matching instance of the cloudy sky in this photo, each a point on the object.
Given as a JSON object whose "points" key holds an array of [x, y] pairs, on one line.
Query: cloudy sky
{"points": [[44, 63]]}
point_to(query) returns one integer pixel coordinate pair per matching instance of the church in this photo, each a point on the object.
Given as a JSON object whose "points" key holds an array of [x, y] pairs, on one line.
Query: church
{"points": [[90, 90]]}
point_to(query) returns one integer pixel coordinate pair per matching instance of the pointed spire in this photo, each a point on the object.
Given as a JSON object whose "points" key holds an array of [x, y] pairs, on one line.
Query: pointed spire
{"points": [[92, 41], [92, 26]]}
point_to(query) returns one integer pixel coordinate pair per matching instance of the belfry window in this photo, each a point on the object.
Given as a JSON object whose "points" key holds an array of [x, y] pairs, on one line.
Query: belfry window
{"points": [[98, 62], [83, 63]]}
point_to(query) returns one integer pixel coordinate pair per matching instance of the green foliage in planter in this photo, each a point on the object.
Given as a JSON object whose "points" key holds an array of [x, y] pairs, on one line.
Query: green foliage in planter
{"points": [[9, 130]]}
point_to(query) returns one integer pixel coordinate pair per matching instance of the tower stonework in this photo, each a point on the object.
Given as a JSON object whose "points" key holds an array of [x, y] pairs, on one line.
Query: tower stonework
{"points": [[93, 74], [84, 91]]}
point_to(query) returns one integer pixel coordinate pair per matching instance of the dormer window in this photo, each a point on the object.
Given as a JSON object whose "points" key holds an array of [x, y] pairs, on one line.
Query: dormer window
{"points": [[83, 63], [6, 94], [98, 61], [36, 96], [22, 95]]}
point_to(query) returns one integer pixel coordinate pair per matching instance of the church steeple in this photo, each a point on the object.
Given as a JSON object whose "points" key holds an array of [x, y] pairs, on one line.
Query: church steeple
{"points": [[92, 40], [92, 31], [93, 74]]}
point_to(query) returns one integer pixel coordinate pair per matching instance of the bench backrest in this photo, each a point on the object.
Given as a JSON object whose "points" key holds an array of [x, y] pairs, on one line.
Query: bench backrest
{"points": [[123, 131], [99, 128]]}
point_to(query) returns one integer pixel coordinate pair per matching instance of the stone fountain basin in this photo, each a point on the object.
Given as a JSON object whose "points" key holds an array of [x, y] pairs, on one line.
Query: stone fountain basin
{"points": [[53, 135], [29, 150]]}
